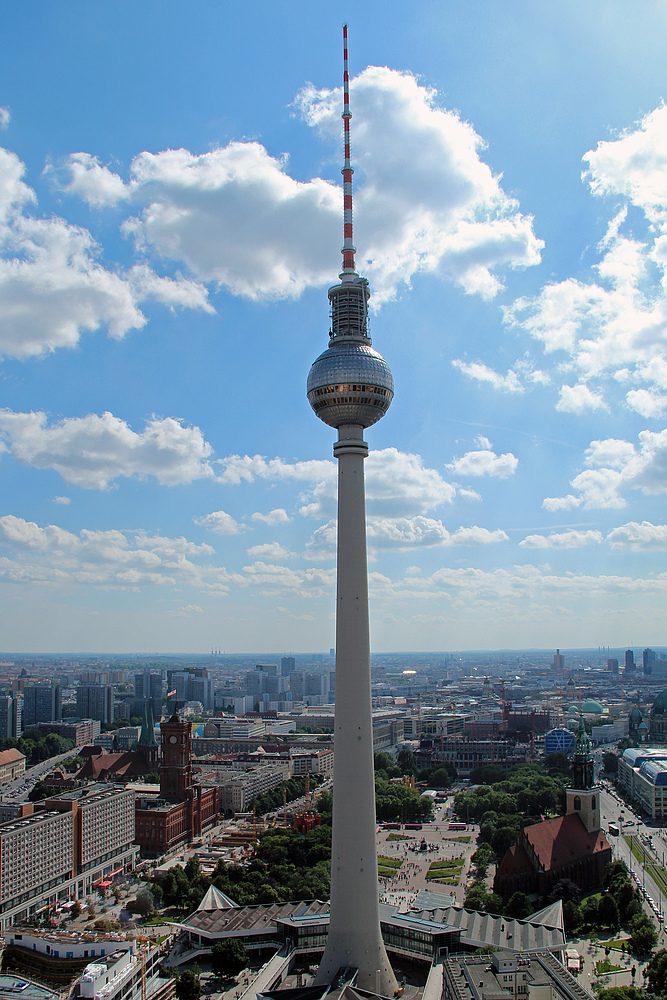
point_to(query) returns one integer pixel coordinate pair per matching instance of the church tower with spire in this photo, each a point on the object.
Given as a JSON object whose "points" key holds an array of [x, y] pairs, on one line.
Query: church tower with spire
{"points": [[583, 796], [147, 744]]}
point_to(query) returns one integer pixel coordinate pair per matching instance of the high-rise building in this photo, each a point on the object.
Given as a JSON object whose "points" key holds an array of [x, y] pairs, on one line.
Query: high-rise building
{"points": [[192, 684], [149, 685], [612, 665], [648, 659], [287, 665], [629, 661], [350, 387], [95, 701], [41, 703], [11, 716]]}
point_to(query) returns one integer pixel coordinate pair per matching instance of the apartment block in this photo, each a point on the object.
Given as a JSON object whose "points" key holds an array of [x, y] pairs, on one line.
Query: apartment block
{"points": [[80, 837]]}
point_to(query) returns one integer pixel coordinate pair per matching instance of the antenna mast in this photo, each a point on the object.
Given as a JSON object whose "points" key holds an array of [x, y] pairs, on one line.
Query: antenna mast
{"points": [[349, 271]]}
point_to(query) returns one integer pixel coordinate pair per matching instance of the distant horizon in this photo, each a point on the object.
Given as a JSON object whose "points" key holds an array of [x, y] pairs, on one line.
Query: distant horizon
{"points": [[603, 651]]}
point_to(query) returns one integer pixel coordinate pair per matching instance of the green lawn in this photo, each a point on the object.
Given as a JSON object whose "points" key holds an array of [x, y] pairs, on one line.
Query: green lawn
{"points": [[445, 872], [389, 862], [616, 944], [604, 967], [387, 867]]}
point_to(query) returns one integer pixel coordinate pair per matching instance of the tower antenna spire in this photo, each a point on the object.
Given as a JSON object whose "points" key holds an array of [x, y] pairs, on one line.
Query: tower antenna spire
{"points": [[349, 272]]}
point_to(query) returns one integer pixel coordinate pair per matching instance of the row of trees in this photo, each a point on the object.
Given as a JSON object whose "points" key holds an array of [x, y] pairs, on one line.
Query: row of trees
{"points": [[36, 746]]}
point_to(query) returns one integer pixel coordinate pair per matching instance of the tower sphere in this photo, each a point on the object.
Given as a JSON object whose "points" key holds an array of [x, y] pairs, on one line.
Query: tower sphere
{"points": [[350, 383]]}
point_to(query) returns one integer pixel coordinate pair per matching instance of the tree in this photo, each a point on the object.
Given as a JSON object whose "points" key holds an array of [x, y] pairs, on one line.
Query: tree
{"points": [[643, 934], [228, 957], [519, 906], [610, 763], [608, 912], [565, 889], [557, 761], [487, 774], [589, 910], [143, 904], [616, 871], [76, 909], [406, 761], [188, 985], [40, 790], [620, 993], [572, 917], [656, 971], [477, 898]]}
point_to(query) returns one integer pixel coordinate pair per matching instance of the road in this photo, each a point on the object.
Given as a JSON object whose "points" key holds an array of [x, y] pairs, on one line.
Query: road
{"points": [[14, 791], [652, 839]]}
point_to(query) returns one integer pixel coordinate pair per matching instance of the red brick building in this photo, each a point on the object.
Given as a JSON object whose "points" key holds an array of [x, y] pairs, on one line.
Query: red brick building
{"points": [[183, 809]]}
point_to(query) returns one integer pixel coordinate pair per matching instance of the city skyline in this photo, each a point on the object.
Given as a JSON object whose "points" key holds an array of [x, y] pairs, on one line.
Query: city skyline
{"points": [[170, 190]]}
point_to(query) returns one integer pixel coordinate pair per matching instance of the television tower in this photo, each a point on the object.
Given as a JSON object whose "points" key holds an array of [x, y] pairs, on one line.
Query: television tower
{"points": [[350, 387]]}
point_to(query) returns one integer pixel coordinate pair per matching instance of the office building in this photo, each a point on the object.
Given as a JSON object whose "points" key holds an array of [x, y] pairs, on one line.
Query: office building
{"points": [[11, 716], [287, 665], [95, 701], [41, 703]]}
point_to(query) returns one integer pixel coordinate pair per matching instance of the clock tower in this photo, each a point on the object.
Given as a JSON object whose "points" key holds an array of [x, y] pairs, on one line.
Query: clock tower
{"points": [[176, 769]]}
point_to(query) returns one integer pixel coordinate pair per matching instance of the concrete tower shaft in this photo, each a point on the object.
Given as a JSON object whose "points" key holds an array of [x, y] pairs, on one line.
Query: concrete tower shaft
{"points": [[354, 938]]}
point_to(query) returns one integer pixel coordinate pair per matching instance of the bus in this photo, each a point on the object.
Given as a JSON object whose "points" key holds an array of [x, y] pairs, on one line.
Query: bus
{"points": [[613, 830], [458, 826]]}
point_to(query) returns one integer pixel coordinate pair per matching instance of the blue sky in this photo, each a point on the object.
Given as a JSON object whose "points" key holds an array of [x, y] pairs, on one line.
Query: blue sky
{"points": [[170, 220]]}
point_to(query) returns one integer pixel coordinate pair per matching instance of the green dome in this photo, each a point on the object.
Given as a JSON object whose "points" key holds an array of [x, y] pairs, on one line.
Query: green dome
{"points": [[660, 704], [635, 716], [589, 707]]}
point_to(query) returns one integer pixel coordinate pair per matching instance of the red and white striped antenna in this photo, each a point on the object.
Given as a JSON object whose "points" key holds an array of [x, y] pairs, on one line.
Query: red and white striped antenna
{"points": [[349, 272]]}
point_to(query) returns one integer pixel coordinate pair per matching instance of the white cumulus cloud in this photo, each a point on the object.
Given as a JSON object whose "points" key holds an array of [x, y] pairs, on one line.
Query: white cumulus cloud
{"points": [[646, 402], [638, 536], [485, 462], [562, 503], [277, 516], [482, 373], [620, 467], [269, 550], [126, 560], [5, 117], [562, 540], [404, 533], [579, 398], [220, 522], [234, 216], [53, 284], [93, 451]]}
